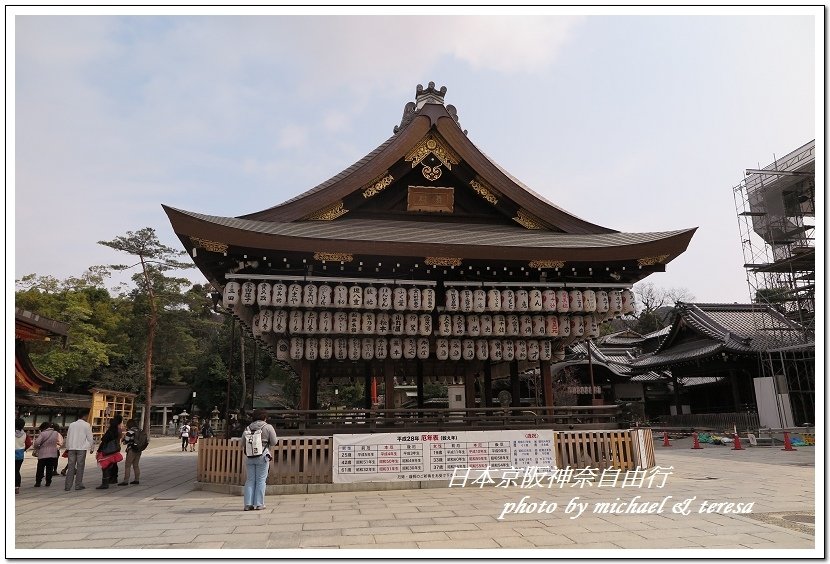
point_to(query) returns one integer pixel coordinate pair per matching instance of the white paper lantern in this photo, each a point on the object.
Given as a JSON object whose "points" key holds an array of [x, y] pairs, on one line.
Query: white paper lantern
{"points": [[493, 300], [428, 299], [423, 348], [545, 349], [602, 301], [263, 294], [522, 300], [248, 293], [482, 349], [465, 298], [324, 298], [230, 295], [382, 323], [399, 298], [381, 348], [458, 325], [341, 348], [564, 326], [280, 323], [499, 326], [627, 302], [508, 300], [615, 303], [589, 300], [468, 349], [397, 323], [451, 300], [341, 296], [385, 298], [425, 324], [455, 349], [368, 323], [370, 297], [410, 324], [533, 350], [442, 349], [283, 350], [309, 295], [326, 348], [295, 295], [479, 301], [266, 320], [513, 326], [310, 322], [324, 323], [577, 326], [538, 325], [354, 348], [445, 325], [355, 296], [521, 349], [295, 322], [562, 301], [549, 300], [311, 349], [341, 322], [296, 348], [395, 348], [575, 300], [508, 352], [473, 326], [552, 325], [255, 325], [368, 348], [495, 350], [536, 300], [525, 326], [414, 298], [410, 349], [485, 323], [279, 295], [354, 323]]}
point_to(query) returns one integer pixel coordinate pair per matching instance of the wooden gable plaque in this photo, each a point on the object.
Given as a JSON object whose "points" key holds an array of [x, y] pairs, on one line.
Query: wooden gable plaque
{"points": [[430, 199]]}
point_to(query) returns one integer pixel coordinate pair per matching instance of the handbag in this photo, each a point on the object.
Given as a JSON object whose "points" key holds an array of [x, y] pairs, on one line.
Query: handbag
{"points": [[111, 447]]}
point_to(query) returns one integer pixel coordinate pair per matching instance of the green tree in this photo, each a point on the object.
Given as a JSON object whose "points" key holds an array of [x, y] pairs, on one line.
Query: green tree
{"points": [[154, 259]]}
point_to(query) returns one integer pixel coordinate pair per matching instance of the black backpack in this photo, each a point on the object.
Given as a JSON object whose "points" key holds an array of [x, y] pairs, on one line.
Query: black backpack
{"points": [[141, 440]]}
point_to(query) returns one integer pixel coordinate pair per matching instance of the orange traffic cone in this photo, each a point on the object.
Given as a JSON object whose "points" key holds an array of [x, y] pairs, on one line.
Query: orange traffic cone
{"points": [[737, 443], [787, 444], [696, 444], [666, 442]]}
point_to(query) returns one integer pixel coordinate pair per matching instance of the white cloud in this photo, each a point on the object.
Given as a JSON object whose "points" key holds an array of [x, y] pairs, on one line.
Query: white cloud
{"points": [[293, 137]]}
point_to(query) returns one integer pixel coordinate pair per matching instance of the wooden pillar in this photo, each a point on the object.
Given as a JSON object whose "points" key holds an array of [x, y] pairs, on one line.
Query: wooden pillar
{"points": [[469, 384], [515, 389], [487, 396], [677, 403], [419, 382], [367, 385], [305, 385], [736, 394], [314, 385], [389, 382], [547, 385]]}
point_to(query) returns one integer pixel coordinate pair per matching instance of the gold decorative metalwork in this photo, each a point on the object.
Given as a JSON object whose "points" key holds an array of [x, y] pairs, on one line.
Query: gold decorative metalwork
{"points": [[432, 145], [378, 185], [328, 213], [526, 220], [208, 245], [442, 261], [546, 264], [432, 173], [484, 191], [334, 257], [651, 261]]}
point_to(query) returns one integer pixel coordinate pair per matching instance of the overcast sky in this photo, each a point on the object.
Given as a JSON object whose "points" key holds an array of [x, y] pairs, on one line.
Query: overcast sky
{"points": [[638, 123]]}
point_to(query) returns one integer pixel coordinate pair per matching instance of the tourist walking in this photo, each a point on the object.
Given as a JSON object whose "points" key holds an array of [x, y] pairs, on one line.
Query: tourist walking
{"points": [[109, 452], [136, 441], [257, 440], [206, 430], [184, 433], [79, 440], [193, 437], [47, 445], [22, 441]]}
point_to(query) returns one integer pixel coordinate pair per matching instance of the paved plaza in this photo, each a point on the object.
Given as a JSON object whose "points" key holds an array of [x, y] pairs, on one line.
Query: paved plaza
{"points": [[168, 511]]}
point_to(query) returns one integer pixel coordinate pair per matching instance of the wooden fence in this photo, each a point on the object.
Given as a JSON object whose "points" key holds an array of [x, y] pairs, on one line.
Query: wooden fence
{"points": [[720, 422], [308, 460]]}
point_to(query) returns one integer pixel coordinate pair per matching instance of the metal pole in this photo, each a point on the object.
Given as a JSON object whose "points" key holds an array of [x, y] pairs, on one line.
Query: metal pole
{"points": [[228, 394], [590, 369]]}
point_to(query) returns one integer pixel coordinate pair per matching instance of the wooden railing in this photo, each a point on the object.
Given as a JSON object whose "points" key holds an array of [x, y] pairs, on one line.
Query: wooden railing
{"points": [[623, 449], [711, 421]]}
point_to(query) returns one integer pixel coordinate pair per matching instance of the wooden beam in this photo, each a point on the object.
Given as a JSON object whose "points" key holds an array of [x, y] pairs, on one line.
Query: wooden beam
{"points": [[367, 385], [469, 385], [515, 389], [419, 382], [305, 385], [487, 400], [547, 385]]}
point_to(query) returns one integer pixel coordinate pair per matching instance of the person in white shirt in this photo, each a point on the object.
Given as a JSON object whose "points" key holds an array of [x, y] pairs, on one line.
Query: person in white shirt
{"points": [[78, 441]]}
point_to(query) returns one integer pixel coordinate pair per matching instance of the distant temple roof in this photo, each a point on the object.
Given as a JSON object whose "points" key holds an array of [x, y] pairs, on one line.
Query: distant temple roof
{"points": [[29, 326]]}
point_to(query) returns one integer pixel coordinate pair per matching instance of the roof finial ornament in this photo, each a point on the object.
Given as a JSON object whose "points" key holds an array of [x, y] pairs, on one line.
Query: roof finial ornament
{"points": [[423, 96]]}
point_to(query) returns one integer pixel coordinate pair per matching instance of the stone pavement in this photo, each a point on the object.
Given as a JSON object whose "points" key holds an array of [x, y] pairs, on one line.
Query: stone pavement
{"points": [[167, 511]]}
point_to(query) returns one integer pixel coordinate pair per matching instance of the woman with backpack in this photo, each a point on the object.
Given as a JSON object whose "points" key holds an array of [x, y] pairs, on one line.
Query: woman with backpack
{"points": [[257, 440], [184, 433], [136, 441]]}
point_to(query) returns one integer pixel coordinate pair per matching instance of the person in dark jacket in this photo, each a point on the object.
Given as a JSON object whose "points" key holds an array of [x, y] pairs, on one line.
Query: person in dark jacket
{"points": [[114, 433]]}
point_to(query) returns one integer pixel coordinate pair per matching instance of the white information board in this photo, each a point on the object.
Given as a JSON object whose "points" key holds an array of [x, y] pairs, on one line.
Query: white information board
{"points": [[386, 457]]}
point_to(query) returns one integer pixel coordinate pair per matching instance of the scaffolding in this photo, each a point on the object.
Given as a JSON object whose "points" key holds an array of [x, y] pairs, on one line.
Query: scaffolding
{"points": [[776, 218]]}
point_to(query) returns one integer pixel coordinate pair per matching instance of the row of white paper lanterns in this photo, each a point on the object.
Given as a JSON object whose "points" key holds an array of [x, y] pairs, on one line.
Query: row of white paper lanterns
{"points": [[342, 348], [298, 322], [399, 298]]}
